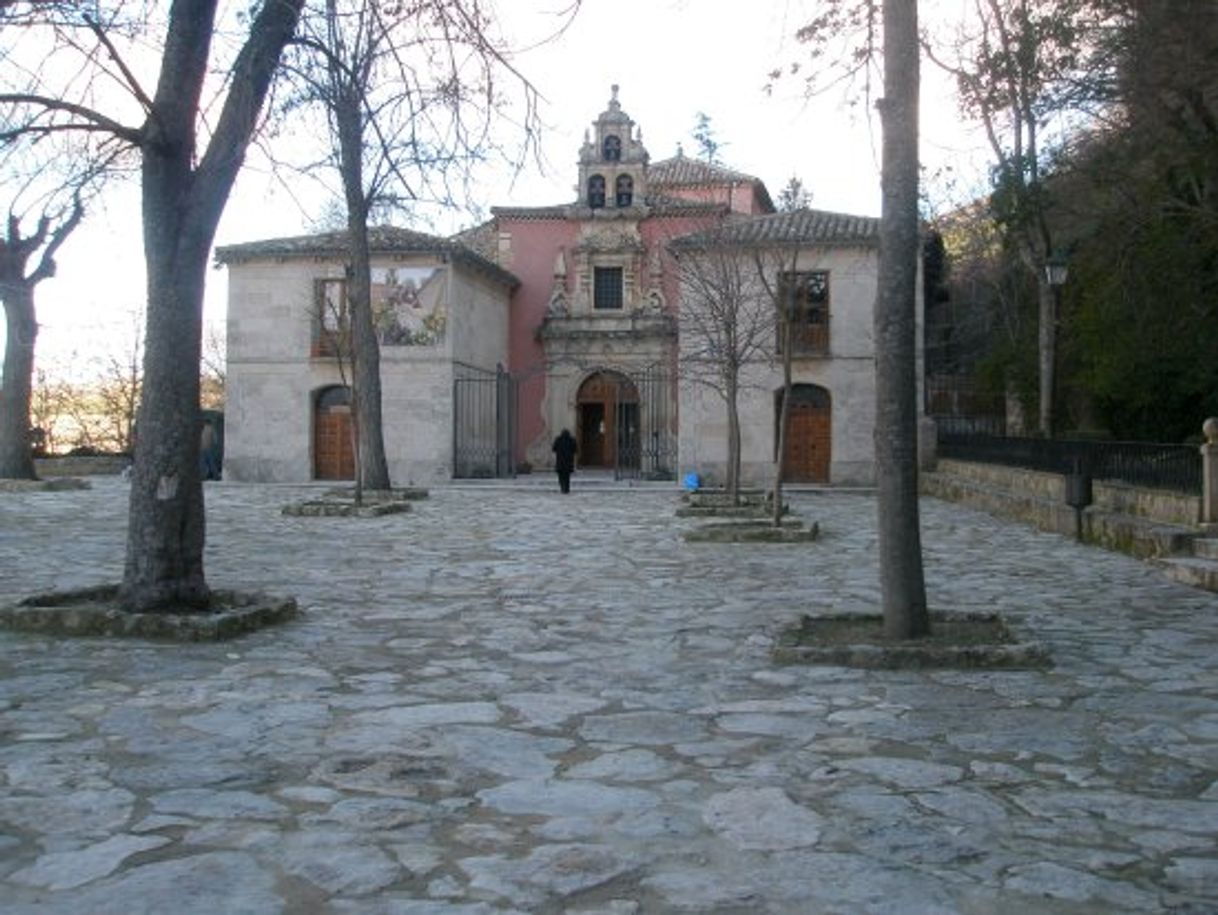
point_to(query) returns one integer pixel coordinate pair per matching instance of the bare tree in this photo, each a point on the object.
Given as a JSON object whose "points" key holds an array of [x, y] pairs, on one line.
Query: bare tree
{"points": [[213, 368], [48, 405], [726, 325], [902, 585], [776, 268], [409, 93], [117, 385], [26, 259], [188, 163], [856, 25]]}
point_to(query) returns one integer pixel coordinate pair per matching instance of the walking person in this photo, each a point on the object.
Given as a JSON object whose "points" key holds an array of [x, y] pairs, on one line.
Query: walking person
{"points": [[564, 449]]}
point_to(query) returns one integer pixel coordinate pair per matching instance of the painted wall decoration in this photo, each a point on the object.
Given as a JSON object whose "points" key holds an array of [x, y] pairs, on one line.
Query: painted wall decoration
{"points": [[408, 305]]}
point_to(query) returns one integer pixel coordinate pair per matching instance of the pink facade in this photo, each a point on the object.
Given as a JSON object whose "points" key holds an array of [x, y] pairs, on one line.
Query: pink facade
{"points": [[570, 329]]}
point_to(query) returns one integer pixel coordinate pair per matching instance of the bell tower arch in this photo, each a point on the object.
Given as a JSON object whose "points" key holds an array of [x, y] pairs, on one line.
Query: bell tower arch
{"points": [[613, 163]]}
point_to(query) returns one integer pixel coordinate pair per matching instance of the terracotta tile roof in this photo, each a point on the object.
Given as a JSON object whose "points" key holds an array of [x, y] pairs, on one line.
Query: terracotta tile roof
{"points": [[555, 211], [682, 171], [798, 227], [381, 240]]}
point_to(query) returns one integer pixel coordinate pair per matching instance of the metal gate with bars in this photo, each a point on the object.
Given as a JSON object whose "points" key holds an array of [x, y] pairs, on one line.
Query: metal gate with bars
{"points": [[645, 442], [484, 423]]}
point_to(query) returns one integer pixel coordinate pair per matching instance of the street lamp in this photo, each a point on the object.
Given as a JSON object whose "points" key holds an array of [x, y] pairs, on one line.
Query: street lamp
{"points": [[1057, 269]]}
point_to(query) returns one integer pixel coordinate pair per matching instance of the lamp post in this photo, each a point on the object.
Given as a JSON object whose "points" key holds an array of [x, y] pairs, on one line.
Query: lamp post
{"points": [[1056, 268]]}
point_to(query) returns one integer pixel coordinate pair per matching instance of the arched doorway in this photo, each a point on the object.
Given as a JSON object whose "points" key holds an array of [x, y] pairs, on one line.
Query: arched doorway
{"points": [[333, 451], [607, 420], [809, 438]]}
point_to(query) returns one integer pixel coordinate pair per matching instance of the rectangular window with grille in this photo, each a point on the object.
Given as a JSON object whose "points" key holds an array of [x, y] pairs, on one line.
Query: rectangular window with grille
{"points": [[330, 324], [607, 288], [807, 296]]}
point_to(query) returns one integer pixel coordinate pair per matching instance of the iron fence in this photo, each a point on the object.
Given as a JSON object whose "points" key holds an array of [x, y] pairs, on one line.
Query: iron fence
{"points": [[484, 422], [1172, 467], [645, 447]]}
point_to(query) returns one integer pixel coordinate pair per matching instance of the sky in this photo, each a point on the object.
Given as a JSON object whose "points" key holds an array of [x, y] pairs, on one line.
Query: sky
{"points": [[671, 59]]}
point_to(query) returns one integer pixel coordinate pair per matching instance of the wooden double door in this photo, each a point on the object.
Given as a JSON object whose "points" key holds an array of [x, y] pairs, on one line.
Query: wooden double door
{"points": [[607, 420], [809, 440], [333, 450]]}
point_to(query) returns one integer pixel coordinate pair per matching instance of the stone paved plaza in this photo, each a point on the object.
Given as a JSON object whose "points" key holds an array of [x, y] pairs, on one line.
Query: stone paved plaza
{"points": [[511, 701]]}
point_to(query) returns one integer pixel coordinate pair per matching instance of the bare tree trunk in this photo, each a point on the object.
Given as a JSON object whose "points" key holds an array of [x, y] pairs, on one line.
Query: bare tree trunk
{"points": [[900, 546], [166, 528], [373, 469], [1046, 299], [16, 460], [183, 198], [733, 440], [784, 412]]}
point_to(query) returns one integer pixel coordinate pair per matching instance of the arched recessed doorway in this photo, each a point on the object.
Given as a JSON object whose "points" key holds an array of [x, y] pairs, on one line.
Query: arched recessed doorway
{"points": [[607, 420], [333, 451], [809, 440]]}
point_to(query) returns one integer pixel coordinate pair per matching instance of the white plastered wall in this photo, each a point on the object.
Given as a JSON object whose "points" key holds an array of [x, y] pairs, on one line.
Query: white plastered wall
{"points": [[847, 373]]}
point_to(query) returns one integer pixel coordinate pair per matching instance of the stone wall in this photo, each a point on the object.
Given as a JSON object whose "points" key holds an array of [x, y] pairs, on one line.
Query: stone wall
{"points": [[1132, 519], [75, 466]]}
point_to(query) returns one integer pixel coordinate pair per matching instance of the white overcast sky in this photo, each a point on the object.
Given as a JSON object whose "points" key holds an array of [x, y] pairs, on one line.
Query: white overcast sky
{"points": [[671, 58]]}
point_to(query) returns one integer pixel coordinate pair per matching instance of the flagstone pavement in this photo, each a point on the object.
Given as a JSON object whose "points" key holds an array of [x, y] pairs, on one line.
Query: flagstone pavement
{"points": [[513, 701]]}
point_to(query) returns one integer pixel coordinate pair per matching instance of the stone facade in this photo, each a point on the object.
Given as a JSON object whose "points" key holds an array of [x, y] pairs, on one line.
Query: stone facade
{"points": [[449, 313], [581, 303]]}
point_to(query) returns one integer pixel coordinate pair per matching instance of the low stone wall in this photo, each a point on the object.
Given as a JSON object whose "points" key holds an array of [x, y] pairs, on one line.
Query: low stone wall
{"points": [[75, 466], [1132, 519]]}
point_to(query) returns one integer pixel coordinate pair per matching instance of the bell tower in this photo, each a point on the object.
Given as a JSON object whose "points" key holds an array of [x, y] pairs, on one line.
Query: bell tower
{"points": [[613, 163]]}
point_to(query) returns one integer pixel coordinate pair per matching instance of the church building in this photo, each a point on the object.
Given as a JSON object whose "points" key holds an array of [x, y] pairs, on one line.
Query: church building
{"points": [[553, 317]]}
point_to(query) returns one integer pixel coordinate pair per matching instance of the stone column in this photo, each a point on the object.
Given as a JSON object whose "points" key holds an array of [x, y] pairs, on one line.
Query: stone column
{"points": [[1209, 474]]}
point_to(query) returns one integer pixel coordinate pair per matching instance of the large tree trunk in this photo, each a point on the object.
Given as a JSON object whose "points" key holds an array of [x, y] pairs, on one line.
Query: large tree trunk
{"points": [[373, 471], [365, 363], [896, 435], [16, 461], [183, 197], [165, 533]]}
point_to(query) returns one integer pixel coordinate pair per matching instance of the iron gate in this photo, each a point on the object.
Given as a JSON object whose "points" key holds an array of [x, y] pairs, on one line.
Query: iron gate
{"points": [[644, 446], [484, 423]]}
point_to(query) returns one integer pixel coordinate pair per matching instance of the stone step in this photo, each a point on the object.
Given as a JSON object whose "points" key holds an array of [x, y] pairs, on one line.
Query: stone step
{"points": [[1206, 548], [1200, 573]]}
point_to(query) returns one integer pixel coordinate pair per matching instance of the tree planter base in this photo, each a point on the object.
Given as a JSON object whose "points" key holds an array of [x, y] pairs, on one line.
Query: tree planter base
{"points": [[397, 494], [727, 510], [58, 484], [790, 531], [957, 640], [702, 498], [338, 508], [95, 612]]}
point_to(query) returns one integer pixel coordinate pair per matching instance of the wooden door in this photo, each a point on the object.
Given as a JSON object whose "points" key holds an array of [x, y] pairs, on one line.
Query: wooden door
{"points": [[809, 438], [599, 400], [333, 454], [592, 435]]}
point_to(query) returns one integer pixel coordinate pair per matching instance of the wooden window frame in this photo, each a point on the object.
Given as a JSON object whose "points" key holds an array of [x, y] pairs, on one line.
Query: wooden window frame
{"points": [[324, 345], [810, 311]]}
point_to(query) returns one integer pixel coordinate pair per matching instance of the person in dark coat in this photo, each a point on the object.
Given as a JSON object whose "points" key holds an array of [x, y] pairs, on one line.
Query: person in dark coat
{"points": [[564, 449]]}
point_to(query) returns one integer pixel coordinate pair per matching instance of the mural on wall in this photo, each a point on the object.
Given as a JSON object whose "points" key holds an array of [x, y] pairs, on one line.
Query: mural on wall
{"points": [[408, 305]]}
